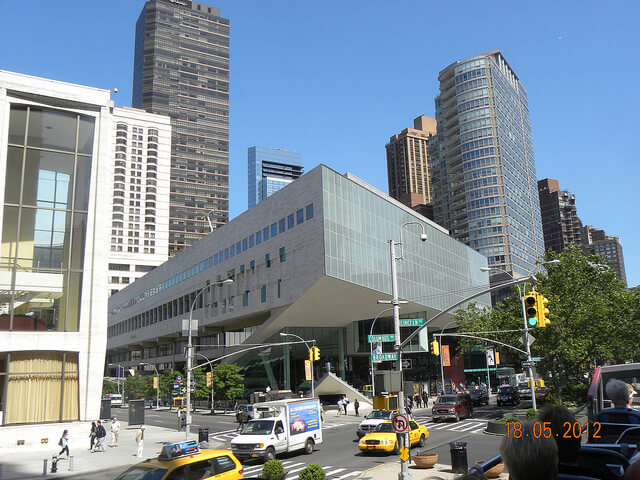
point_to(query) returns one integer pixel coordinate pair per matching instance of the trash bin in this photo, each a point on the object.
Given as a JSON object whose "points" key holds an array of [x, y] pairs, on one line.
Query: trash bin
{"points": [[203, 436], [458, 457]]}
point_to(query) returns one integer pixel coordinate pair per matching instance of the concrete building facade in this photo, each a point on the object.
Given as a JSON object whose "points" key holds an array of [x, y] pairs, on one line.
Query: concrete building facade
{"points": [[140, 196], [56, 144], [269, 170], [597, 242], [484, 177], [560, 223], [408, 163], [181, 69], [312, 259]]}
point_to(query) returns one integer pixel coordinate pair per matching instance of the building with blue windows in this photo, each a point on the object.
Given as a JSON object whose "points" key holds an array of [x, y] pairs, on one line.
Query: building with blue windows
{"points": [[270, 169], [483, 177], [312, 259]]}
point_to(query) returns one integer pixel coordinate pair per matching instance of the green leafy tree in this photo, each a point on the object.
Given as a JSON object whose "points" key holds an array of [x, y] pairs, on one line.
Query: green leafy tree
{"points": [[227, 382], [167, 379], [108, 387], [594, 319], [138, 386]]}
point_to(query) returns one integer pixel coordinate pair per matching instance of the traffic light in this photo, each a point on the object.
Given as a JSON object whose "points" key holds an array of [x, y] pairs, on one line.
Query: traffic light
{"points": [[435, 348], [543, 312], [316, 353], [311, 354], [531, 308], [208, 379]]}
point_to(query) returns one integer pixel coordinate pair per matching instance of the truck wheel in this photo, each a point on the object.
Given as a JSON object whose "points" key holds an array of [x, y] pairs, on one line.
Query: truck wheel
{"points": [[269, 454], [308, 446], [422, 439]]}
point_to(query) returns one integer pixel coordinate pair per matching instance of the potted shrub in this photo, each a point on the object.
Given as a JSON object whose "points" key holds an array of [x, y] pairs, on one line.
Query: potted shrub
{"points": [[312, 472], [273, 470], [425, 459], [498, 426]]}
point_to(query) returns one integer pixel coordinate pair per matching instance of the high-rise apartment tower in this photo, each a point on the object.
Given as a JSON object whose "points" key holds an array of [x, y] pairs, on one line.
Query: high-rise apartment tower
{"points": [[181, 69], [270, 169], [560, 223], [597, 242], [484, 176], [407, 165]]}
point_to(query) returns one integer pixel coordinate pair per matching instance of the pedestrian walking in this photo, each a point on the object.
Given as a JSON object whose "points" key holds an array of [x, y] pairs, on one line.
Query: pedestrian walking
{"points": [[345, 403], [179, 419], [140, 441], [115, 432], [425, 399], [101, 434], [243, 419], [92, 435], [356, 406], [64, 443], [340, 407], [183, 420]]}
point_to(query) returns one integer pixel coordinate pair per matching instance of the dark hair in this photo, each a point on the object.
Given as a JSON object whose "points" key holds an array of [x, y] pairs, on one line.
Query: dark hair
{"points": [[558, 416]]}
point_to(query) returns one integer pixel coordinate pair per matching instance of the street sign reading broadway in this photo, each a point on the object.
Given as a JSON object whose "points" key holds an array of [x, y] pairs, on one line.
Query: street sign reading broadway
{"points": [[382, 357], [382, 338], [411, 322]]}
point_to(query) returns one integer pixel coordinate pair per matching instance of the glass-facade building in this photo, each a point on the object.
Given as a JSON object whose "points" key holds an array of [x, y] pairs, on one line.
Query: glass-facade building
{"points": [[181, 69], [270, 169], [55, 142], [312, 260], [484, 177]]}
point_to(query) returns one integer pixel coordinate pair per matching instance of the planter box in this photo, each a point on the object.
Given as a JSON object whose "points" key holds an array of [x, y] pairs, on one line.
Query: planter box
{"points": [[497, 428]]}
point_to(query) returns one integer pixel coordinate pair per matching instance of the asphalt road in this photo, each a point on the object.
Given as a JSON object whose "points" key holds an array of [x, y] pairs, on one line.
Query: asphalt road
{"points": [[339, 454]]}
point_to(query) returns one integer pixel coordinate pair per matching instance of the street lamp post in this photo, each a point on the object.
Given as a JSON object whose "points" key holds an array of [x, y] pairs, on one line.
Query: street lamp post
{"points": [[283, 334], [190, 352], [373, 384], [404, 473], [158, 384], [118, 366], [210, 365], [441, 364]]}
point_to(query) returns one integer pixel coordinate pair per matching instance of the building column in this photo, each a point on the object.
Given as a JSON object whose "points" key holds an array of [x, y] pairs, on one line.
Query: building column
{"points": [[341, 358], [287, 367]]}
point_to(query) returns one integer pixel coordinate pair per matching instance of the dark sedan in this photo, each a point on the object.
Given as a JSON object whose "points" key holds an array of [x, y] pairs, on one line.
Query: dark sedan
{"points": [[479, 396], [508, 395]]}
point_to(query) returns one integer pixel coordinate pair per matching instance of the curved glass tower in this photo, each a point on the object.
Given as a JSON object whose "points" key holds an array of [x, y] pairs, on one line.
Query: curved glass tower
{"points": [[484, 178]]}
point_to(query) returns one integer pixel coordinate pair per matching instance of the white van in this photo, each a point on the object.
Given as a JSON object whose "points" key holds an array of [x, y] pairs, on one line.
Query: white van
{"points": [[116, 399], [280, 426]]}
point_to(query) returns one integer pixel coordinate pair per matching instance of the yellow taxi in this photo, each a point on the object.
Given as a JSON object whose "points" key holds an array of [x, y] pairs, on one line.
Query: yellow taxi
{"points": [[185, 461], [383, 438]]}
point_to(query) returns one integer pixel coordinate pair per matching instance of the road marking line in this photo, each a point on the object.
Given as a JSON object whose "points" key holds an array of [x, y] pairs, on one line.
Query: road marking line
{"points": [[334, 471], [350, 474], [474, 425]]}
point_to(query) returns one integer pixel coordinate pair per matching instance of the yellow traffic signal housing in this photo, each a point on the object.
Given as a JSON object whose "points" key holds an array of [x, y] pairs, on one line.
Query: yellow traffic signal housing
{"points": [[316, 353], [435, 348], [311, 354], [542, 319], [531, 308]]}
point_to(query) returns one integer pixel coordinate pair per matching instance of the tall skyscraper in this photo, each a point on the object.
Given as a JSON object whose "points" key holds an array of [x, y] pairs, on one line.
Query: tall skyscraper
{"points": [[484, 177], [407, 165], [597, 242], [270, 169], [181, 69], [140, 200], [560, 223]]}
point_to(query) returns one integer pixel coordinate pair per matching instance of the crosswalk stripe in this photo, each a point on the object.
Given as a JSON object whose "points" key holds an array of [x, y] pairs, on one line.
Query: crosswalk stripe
{"points": [[350, 474], [473, 426], [334, 471]]}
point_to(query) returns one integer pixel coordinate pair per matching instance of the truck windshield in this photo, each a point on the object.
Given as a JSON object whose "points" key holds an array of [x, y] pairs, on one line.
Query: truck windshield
{"points": [[446, 400], [258, 427]]}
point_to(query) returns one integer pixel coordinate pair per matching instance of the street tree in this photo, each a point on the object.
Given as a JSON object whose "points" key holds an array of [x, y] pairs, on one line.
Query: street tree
{"points": [[594, 319], [227, 381]]}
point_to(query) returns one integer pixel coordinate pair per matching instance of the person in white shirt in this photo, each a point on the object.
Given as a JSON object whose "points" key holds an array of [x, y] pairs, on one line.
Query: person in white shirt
{"points": [[115, 432], [140, 441]]}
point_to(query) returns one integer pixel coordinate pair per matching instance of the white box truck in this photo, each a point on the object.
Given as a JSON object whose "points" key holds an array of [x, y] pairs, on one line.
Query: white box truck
{"points": [[280, 426]]}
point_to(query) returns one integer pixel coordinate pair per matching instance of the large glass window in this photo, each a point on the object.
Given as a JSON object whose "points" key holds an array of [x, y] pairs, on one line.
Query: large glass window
{"points": [[45, 216]]}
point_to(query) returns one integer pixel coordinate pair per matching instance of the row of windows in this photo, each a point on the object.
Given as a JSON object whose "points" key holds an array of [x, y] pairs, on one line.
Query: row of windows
{"points": [[260, 236]]}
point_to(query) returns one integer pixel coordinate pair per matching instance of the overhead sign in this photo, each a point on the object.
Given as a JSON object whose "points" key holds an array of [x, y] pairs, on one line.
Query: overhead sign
{"points": [[307, 370], [383, 357], [490, 358], [446, 357], [400, 423], [406, 364], [382, 338], [411, 322], [536, 359]]}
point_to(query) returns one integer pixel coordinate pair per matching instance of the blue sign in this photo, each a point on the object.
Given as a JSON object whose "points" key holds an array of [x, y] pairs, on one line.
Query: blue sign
{"points": [[304, 417], [178, 379]]}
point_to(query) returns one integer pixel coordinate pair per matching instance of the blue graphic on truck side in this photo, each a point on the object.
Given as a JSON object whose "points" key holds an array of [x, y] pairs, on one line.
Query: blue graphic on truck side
{"points": [[303, 417]]}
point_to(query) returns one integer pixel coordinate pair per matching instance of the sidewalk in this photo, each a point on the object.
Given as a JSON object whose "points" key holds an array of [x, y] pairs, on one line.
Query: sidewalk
{"points": [[389, 471], [19, 465]]}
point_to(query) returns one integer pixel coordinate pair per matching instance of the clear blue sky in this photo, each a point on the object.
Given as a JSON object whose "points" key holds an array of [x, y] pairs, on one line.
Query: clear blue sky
{"points": [[334, 80]]}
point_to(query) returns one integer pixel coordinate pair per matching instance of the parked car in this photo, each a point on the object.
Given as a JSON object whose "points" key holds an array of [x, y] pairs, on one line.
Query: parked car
{"points": [[479, 396], [116, 399], [508, 394], [384, 438], [454, 406]]}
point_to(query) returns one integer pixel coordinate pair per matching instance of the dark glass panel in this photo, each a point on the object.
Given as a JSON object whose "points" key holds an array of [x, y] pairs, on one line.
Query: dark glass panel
{"points": [[17, 124], [85, 135], [52, 129], [14, 175], [83, 182]]}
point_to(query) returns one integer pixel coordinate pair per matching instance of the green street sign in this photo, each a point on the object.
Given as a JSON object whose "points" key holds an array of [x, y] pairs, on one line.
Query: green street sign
{"points": [[411, 322], [536, 359], [390, 337], [383, 357]]}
